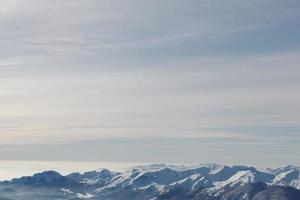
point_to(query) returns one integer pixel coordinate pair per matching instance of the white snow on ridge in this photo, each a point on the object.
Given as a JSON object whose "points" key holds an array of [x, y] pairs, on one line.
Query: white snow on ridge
{"points": [[84, 196], [213, 177], [67, 191]]}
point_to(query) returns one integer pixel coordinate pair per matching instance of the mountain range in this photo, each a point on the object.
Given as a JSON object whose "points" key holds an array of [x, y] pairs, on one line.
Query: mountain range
{"points": [[160, 182]]}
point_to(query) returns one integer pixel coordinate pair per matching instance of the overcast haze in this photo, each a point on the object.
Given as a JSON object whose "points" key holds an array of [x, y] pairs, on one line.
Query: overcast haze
{"points": [[150, 81]]}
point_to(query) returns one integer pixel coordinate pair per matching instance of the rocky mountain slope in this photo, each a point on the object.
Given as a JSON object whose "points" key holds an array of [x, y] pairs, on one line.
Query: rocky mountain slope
{"points": [[158, 182]]}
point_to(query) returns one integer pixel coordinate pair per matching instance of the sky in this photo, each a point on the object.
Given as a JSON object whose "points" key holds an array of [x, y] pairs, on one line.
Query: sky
{"points": [[168, 81]]}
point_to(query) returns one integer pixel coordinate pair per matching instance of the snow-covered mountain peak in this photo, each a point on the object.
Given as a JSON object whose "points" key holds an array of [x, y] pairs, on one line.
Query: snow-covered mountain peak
{"points": [[161, 181]]}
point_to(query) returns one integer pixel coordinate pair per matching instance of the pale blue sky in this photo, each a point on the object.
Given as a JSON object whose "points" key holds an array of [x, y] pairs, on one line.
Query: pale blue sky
{"points": [[150, 81]]}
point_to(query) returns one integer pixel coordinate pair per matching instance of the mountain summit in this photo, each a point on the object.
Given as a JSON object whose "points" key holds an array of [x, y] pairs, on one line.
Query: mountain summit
{"points": [[159, 182]]}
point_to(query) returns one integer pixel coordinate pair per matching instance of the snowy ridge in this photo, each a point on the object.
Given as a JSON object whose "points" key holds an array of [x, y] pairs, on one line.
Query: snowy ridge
{"points": [[160, 181]]}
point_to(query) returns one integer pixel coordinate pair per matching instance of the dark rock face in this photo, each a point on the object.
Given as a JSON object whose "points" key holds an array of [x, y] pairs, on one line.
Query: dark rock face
{"points": [[253, 191], [278, 193], [262, 191], [247, 192], [44, 179]]}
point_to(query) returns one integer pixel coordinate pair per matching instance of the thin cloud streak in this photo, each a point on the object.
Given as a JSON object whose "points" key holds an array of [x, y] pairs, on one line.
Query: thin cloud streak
{"points": [[75, 71]]}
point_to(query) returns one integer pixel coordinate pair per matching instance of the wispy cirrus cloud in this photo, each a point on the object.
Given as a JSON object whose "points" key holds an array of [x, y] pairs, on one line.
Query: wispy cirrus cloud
{"points": [[76, 71]]}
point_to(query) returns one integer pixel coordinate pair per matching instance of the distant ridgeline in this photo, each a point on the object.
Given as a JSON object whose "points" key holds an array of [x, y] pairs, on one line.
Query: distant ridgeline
{"points": [[160, 182]]}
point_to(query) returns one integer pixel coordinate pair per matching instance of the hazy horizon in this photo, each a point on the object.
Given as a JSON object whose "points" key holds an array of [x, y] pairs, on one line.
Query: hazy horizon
{"points": [[10, 169]]}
